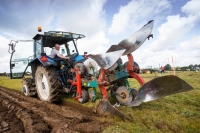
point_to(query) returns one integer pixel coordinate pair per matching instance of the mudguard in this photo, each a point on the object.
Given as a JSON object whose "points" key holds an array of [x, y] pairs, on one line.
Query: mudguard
{"points": [[49, 62]]}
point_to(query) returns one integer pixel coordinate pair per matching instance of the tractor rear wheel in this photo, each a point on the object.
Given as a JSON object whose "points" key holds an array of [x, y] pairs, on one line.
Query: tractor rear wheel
{"points": [[47, 84], [28, 89]]}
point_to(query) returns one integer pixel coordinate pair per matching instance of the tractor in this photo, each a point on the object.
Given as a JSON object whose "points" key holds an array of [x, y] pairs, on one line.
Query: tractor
{"points": [[52, 76]]}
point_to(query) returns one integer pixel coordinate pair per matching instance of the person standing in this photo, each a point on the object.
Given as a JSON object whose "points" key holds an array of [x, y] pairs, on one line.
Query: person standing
{"points": [[162, 69]]}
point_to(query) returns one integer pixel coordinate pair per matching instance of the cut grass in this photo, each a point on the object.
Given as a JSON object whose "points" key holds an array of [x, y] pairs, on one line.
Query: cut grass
{"points": [[174, 113], [11, 83]]}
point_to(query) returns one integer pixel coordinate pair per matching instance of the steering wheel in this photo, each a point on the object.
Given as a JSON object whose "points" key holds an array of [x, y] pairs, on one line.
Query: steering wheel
{"points": [[73, 56]]}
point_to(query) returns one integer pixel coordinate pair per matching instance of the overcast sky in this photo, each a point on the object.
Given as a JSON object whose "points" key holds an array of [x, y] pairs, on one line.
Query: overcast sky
{"points": [[106, 22]]}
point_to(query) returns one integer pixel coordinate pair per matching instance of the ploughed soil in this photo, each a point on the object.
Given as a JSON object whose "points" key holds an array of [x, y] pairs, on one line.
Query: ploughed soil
{"points": [[19, 113]]}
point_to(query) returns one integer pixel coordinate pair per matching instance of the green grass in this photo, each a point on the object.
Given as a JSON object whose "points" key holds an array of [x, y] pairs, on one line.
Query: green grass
{"points": [[174, 113], [11, 83]]}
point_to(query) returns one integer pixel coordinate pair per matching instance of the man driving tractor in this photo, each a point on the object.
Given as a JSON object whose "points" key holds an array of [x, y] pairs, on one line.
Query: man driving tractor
{"points": [[55, 52]]}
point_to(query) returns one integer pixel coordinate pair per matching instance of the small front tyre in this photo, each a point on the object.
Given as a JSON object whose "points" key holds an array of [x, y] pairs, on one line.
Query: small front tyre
{"points": [[28, 89]]}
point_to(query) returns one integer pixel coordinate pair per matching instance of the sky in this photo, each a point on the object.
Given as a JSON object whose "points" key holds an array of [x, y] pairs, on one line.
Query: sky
{"points": [[176, 31]]}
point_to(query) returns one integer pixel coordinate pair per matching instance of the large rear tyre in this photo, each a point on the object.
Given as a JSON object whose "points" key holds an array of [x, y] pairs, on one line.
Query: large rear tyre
{"points": [[47, 84], [28, 89]]}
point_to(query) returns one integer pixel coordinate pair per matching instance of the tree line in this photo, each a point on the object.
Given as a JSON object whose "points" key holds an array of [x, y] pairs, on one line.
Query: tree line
{"points": [[191, 67]]}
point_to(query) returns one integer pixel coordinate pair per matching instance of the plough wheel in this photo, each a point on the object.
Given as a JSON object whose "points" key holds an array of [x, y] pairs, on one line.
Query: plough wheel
{"points": [[85, 97]]}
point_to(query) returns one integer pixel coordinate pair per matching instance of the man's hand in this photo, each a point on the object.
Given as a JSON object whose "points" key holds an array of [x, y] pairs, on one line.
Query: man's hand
{"points": [[63, 57], [67, 58]]}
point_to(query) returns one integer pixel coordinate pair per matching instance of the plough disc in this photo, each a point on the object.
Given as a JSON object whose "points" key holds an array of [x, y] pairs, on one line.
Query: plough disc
{"points": [[134, 41], [158, 88], [152, 90], [106, 60]]}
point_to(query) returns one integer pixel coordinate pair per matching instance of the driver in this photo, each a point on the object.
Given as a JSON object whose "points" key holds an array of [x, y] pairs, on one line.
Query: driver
{"points": [[55, 52]]}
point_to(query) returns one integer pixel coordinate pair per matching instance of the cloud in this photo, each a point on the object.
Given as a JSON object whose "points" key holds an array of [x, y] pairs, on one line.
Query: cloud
{"points": [[94, 44], [196, 54], [146, 57], [22, 50], [4, 46], [187, 58], [22, 18], [176, 26], [5, 56], [194, 43], [192, 8], [137, 12], [86, 18]]}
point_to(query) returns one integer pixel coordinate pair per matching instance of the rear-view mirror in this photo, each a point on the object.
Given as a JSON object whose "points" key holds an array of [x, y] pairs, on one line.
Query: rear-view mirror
{"points": [[63, 51]]}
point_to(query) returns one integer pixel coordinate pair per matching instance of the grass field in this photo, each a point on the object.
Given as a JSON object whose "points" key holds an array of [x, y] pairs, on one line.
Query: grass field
{"points": [[175, 113]]}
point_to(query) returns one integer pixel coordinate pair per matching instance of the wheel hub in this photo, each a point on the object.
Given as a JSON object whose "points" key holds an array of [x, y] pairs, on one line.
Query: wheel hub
{"points": [[43, 86], [122, 95], [24, 89]]}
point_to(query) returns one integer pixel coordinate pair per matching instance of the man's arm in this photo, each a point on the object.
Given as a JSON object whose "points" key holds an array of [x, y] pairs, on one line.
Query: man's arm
{"points": [[61, 56]]}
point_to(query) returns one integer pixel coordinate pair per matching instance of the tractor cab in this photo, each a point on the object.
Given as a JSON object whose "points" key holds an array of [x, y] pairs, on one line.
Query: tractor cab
{"points": [[66, 40], [22, 55]]}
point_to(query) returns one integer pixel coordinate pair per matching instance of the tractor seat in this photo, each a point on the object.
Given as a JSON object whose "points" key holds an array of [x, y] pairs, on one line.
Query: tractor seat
{"points": [[57, 61]]}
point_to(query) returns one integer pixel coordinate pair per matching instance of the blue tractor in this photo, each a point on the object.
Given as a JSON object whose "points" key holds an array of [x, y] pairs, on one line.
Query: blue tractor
{"points": [[51, 76]]}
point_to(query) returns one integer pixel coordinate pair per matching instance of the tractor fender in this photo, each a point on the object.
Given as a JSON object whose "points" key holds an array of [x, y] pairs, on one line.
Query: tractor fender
{"points": [[79, 58], [49, 62]]}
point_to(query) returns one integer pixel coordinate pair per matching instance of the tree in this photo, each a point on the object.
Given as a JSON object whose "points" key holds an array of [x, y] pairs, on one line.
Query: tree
{"points": [[191, 66], [167, 67], [27, 73]]}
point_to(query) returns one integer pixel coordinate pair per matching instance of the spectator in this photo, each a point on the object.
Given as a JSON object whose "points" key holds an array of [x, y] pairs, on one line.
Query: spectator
{"points": [[162, 69]]}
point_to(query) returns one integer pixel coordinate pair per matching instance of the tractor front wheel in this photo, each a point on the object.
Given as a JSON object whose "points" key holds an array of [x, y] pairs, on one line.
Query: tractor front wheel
{"points": [[28, 89], [47, 84]]}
